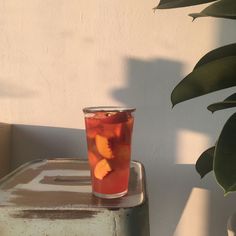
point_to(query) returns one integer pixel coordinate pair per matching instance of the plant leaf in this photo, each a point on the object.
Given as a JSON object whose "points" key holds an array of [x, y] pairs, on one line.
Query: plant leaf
{"points": [[225, 51], [222, 9], [213, 76], [225, 156], [229, 102], [204, 164], [167, 4]]}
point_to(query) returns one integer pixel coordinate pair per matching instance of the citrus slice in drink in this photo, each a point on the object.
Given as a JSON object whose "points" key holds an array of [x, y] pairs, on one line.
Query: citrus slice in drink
{"points": [[103, 147], [102, 169]]}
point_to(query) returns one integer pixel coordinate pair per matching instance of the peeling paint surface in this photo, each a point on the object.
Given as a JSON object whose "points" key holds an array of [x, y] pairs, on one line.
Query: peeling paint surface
{"points": [[54, 197], [54, 214], [63, 182]]}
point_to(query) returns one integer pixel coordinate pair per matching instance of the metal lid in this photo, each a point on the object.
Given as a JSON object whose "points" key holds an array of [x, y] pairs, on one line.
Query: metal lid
{"points": [[108, 109], [64, 183]]}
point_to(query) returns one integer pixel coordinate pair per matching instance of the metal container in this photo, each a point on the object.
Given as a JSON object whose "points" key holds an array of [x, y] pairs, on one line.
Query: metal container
{"points": [[53, 198]]}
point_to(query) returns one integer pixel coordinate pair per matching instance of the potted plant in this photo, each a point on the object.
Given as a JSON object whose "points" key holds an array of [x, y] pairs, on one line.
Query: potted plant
{"points": [[213, 72]]}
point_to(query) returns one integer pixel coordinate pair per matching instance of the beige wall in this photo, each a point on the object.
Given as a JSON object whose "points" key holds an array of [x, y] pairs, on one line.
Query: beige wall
{"points": [[57, 57]]}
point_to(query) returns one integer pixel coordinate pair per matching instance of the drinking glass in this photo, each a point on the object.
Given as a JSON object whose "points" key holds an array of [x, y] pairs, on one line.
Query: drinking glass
{"points": [[109, 135]]}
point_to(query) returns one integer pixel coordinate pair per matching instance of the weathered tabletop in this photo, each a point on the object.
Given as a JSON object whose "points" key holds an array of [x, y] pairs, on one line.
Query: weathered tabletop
{"points": [[59, 189], [64, 183]]}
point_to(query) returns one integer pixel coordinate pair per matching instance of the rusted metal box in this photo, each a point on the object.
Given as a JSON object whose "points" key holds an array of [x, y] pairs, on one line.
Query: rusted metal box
{"points": [[53, 198]]}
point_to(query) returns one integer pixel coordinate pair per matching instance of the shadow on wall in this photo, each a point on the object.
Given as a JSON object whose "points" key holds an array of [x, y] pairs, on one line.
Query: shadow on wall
{"points": [[155, 143], [40, 142]]}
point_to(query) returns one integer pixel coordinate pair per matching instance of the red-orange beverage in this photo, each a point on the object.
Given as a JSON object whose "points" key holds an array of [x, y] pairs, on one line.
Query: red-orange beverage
{"points": [[109, 131]]}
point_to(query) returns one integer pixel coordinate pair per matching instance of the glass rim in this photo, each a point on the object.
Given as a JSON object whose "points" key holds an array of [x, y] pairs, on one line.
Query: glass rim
{"points": [[108, 109]]}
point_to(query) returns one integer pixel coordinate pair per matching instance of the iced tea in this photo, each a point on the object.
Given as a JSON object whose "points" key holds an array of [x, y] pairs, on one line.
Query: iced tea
{"points": [[108, 132]]}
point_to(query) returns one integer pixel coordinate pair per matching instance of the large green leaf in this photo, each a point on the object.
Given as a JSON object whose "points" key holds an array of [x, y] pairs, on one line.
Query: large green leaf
{"points": [[223, 9], [213, 76], [225, 156], [166, 4], [229, 102], [204, 164], [225, 51]]}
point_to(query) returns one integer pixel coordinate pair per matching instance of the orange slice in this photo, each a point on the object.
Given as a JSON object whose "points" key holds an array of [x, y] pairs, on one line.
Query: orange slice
{"points": [[102, 169], [102, 144]]}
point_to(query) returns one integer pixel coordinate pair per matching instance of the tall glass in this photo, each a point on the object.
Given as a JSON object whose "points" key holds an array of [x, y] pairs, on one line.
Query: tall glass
{"points": [[109, 133]]}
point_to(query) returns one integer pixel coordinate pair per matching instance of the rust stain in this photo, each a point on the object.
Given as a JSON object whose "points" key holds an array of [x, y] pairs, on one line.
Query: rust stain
{"points": [[67, 180], [50, 198], [63, 165], [55, 214]]}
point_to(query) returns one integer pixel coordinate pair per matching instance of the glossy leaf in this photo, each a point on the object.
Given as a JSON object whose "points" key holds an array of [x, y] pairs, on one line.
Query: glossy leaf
{"points": [[227, 103], [225, 51], [167, 4], [213, 76], [204, 164], [225, 156], [222, 9]]}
